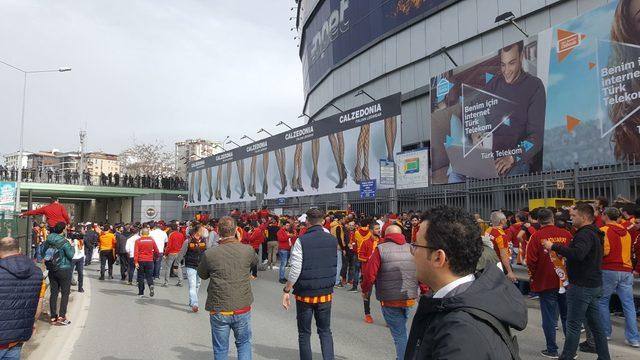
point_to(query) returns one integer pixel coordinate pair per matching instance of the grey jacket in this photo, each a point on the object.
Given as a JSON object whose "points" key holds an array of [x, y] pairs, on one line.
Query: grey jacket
{"points": [[396, 278], [228, 266]]}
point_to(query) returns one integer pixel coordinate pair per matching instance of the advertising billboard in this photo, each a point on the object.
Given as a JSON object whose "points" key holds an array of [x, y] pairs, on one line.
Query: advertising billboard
{"points": [[339, 28], [561, 96], [7, 196], [327, 156], [412, 169]]}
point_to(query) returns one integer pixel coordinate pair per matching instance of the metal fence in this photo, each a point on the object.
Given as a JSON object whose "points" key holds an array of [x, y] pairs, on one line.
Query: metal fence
{"points": [[477, 196]]}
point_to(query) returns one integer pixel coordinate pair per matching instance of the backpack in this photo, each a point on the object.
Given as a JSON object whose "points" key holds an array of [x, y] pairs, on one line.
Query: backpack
{"points": [[52, 259], [501, 329]]}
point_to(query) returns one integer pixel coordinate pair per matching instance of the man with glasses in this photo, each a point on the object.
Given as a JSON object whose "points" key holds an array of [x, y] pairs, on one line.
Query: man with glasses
{"points": [[458, 322]]}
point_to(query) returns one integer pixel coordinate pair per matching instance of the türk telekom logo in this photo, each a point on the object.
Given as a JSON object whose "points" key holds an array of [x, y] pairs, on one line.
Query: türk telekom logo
{"points": [[567, 41]]}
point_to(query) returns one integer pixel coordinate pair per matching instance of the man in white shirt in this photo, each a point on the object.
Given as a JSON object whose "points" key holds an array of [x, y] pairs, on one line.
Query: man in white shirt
{"points": [[160, 237], [131, 244], [78, 261]]}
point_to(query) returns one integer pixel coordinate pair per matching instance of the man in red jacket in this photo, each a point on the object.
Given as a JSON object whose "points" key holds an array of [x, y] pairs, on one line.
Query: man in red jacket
{"points": [[286, 237], [144, 253], [174, 244], [256, 238], [544, 267], [54, 213]]}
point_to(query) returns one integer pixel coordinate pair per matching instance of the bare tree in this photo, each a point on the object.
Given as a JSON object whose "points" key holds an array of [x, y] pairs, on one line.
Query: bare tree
{"points": [[147, 159]]}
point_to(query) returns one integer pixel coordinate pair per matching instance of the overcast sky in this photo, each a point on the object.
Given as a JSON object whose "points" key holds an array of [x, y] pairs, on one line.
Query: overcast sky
{"points": [[146, 70]]}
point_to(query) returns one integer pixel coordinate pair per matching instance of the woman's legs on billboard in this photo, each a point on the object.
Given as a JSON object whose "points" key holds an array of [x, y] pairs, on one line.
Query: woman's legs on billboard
{"points": [[390, 131]]}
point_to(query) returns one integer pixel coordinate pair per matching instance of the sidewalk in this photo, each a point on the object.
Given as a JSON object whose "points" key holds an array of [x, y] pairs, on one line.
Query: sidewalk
{"points": [[56, 342]]}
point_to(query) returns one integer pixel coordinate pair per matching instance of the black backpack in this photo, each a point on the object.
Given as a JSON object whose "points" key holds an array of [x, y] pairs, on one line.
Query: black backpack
{"points": [[52, 259]]}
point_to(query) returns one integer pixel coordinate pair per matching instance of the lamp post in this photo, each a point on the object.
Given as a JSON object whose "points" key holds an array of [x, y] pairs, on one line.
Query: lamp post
{"points": [[233, 142], [285, 124], [262, 130], [24, 97], [247, 137]]}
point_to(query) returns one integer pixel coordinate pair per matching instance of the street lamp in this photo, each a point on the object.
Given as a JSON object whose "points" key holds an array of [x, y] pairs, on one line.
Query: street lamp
{"points": [[510, 18], [247, 137], [285, 124], [219, 146], [262, 130], [233, 142], [24, 97]]}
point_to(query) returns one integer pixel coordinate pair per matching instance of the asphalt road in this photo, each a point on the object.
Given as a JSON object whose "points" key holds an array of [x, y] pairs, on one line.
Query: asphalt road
{"points": [[120, 326]]}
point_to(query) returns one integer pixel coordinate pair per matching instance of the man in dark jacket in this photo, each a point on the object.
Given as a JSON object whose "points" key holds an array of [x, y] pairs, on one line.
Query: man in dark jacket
{"points": [[312, 276], [90, 242], [20, 298], [584, 257], [458, 322], [121, 248]]}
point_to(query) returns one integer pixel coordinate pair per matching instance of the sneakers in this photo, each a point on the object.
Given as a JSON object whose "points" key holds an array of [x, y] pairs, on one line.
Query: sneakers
{"points": [[195, 308], [101, 278], [353, 289], [283, 281], [140, 296], [110, 277], [179, 284], [80, 290], [130, 283], [151, 292], [62, 321], [164, 284], [368, 319], [339, 285], [549, 354], [586, 348], [635, 344]]}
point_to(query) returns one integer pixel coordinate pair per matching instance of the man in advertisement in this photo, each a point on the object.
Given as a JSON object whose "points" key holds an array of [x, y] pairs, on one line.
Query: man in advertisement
{"points": [[523, 136]]}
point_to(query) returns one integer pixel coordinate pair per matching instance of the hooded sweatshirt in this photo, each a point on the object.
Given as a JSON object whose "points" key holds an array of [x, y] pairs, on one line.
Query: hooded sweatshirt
{"points": [[617, 248], [20, 283], [441, 330], [64, 247], [584, 257]]}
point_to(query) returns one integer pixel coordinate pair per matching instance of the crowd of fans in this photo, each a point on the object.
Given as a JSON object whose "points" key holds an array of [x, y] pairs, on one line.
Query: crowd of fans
{"points": [[581, 261], [73, 177]]}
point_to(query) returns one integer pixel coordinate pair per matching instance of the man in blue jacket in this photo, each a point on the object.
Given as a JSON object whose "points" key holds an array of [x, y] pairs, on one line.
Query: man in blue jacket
{"points": [[312, 276], [20, 298]]}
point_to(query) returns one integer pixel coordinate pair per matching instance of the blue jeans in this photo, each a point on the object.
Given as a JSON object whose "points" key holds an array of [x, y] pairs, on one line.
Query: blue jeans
{"points": [[550, 302], [339, 269], [194, 285], [357, 266], [284, 256], [157, 264], [396, 318], [582, 304], [221, 326], [620, 282], [12, 353], [322, 313]]}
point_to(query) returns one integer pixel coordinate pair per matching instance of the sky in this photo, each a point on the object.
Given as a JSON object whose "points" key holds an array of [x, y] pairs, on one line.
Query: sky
{"points": [[146, 71]]}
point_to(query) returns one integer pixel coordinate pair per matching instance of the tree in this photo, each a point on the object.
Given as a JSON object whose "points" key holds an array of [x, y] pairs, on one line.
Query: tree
{"points": [[147, 159]]}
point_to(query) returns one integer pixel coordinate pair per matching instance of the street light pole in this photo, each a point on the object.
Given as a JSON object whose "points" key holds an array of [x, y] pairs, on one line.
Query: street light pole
{"points": [[24, 100]]}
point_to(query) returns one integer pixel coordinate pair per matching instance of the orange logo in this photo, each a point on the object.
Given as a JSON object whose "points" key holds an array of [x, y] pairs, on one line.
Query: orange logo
{"points": [[567, 41]]}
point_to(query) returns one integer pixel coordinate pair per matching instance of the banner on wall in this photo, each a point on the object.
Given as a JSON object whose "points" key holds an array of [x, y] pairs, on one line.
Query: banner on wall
{"points": [[7, 196], [327, 156], [568, 94], [412, 169]]}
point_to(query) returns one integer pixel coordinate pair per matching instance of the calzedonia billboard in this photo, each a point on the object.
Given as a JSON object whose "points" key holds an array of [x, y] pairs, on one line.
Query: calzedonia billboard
{"points": [[567, 94], [338, 29], [327, 156]]}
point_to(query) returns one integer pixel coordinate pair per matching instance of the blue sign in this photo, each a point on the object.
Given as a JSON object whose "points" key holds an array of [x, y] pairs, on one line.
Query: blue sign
{"points": [[281, 201], [368, 189], [341, 28]]}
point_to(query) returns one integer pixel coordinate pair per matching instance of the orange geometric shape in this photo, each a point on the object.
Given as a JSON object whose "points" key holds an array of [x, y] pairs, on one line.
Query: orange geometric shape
{"points": [[567, 41], [572, 123], [591, 65]]}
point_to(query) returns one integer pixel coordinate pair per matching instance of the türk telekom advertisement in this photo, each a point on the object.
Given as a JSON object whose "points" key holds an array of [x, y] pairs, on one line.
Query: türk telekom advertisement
{"points": [[568, 94], [327, 156]]}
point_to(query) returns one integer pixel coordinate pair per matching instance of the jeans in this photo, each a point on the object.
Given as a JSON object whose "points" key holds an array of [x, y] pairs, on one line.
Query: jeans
{"points": [[347, 266], [582, 304], [322, 313], [167, 264], [396, 318], [194, 285], [272, 249], [221, 326], [88, 253], [620, 282], [106, 258], [60, 282], [550, 302], [284, 256], [124, 265], [254, 268], [339, 269], [157, 265], [132, 266], [145, 271], [11, 353], [78, 266], [357, 266]]}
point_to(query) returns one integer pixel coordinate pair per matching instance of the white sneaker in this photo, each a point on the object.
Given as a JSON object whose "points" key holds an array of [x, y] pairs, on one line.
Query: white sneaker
{"points": [[635, 344]]}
